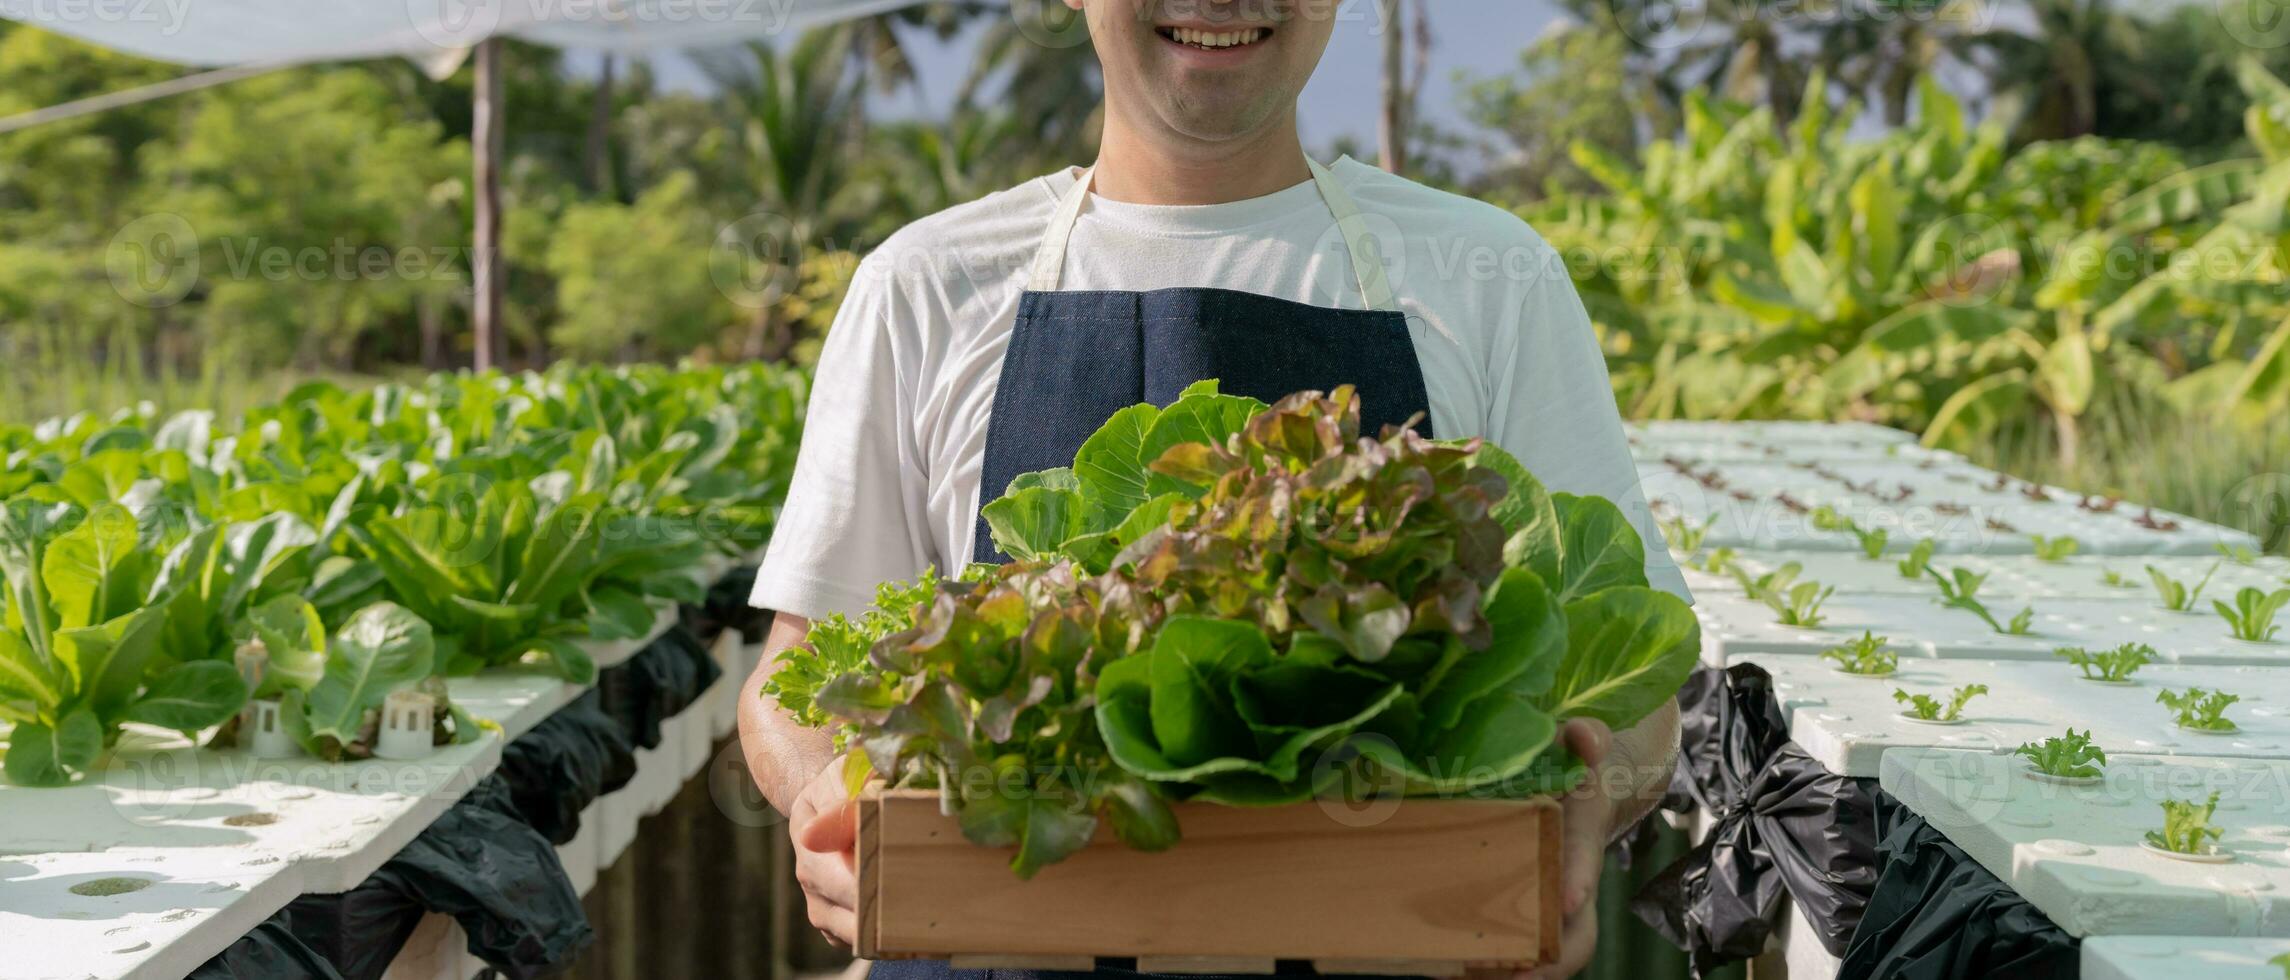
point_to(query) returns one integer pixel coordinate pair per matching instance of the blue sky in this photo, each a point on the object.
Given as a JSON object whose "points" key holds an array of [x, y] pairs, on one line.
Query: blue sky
{"points": [[1480, 36]]}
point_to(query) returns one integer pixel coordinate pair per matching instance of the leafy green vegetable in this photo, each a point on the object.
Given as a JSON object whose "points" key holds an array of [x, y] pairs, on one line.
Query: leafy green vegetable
{"points": [[2238, 554], [1775, 582], [1829, 518], [2069, 756], [2175, 595], [1284, 608], [1684, 536], [1960, 584], [2187, 828], [1719, 561], [2116, 579], [2108, 665], [1866, 656], [1919, 558], [1925, 707], [76, 640], [2054, 549], [2251, 618], [1800, 604], [2199, 709]]}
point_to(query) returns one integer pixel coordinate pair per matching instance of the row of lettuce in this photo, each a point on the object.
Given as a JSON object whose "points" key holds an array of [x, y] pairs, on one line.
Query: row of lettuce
{"points": [[1936, 277], [360, 542]]}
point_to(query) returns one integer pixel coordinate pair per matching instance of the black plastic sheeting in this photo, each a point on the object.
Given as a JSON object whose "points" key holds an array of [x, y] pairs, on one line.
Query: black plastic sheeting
{"points": [[1938, 915], [657, 684], [271, 950], [1782, 825], [726, 607], [490, 861], [568, 760]]}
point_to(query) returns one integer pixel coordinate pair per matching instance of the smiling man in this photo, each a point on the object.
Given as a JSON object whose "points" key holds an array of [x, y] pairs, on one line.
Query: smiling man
{"points": [[989, 340]]}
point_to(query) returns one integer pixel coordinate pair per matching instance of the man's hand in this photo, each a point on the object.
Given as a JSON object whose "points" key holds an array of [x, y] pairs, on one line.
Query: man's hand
{"points": [[824, 826], [1588, 822]]}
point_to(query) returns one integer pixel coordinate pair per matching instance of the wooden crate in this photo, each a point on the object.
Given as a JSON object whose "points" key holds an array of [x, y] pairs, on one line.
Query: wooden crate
{"points": [[1416, 887]]}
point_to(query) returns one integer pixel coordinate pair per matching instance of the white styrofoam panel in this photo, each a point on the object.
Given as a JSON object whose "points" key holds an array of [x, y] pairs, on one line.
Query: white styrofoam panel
{"points": [[1958, 506], [2085, 577], [1852, 574], [2074, 852], [516, 698], [2181, 957], [337, 821], [191, 904], [1849, 723], [1802, 955], [1733, 626], [1768, 432], [438, 949]]}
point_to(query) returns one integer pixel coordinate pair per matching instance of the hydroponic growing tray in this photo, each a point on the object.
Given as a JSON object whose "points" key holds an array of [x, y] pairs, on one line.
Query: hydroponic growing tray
{"points": [[2022, 577], [1734, 627], [1848, 723], [2179, 957], [2076, 854], [1423, 887]]}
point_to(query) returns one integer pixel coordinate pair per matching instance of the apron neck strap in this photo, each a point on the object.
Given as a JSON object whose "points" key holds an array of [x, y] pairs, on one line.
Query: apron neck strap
{"points": [[1367, 262]]}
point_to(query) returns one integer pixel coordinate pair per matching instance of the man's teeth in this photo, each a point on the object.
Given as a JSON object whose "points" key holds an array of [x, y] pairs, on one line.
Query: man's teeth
{"points": [[1216, 39]]}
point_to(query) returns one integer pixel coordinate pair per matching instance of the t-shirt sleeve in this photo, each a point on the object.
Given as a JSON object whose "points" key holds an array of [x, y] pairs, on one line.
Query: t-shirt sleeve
{"points": [[1553, 407], [853, 517]]}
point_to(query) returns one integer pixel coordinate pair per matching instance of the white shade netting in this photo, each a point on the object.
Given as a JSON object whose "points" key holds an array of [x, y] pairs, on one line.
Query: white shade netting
{"points": [[249, 32]]}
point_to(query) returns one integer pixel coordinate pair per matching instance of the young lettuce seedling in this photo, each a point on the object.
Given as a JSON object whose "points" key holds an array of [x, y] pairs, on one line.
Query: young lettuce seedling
{"points": [[1924, 707], [1829, 518], [2054, 549], [2116, 579], [2238, 554], [1865, 657], [1958, 585], [1801, 604], [2023, 622], [2069, 756], [1919, 558], [2186, 827], [2198, 709], [1759, 587], [2251, 618], [2109, 665], [1684, 536], [1872, 542], [1718, 562], [2174, 593]]}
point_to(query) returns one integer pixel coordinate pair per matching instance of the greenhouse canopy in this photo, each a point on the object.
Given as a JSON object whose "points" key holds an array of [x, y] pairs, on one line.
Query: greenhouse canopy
{"points": [[273, 32]]}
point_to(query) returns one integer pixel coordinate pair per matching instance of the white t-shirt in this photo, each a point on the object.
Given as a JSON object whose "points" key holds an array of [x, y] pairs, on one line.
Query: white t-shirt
{"points": [[886, 483]]}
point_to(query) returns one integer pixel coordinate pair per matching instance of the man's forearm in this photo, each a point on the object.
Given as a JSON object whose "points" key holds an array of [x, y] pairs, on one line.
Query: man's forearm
{"points": [[782, 754], [1638, 766]]}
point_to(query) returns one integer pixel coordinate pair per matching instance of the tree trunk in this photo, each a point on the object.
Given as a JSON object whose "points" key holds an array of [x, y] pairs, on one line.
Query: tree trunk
{"points": [[596, 161], [1392, 127], [485, 151]]}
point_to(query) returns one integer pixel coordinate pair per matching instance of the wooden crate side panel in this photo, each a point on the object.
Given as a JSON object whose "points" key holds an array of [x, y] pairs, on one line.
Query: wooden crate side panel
{"points": [[1451, 880]]}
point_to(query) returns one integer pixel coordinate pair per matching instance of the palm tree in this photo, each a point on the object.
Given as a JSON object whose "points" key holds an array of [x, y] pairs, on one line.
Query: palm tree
{"points": [[792, 116], [1039, 54]]}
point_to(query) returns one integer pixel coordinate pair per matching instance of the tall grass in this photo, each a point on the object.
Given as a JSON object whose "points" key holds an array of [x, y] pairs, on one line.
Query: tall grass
{"points": [[2208, 467], [46, 383]]}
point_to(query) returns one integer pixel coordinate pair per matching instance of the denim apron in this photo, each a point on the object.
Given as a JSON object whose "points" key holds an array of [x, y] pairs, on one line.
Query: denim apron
{"points": [[1075, 358]]}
